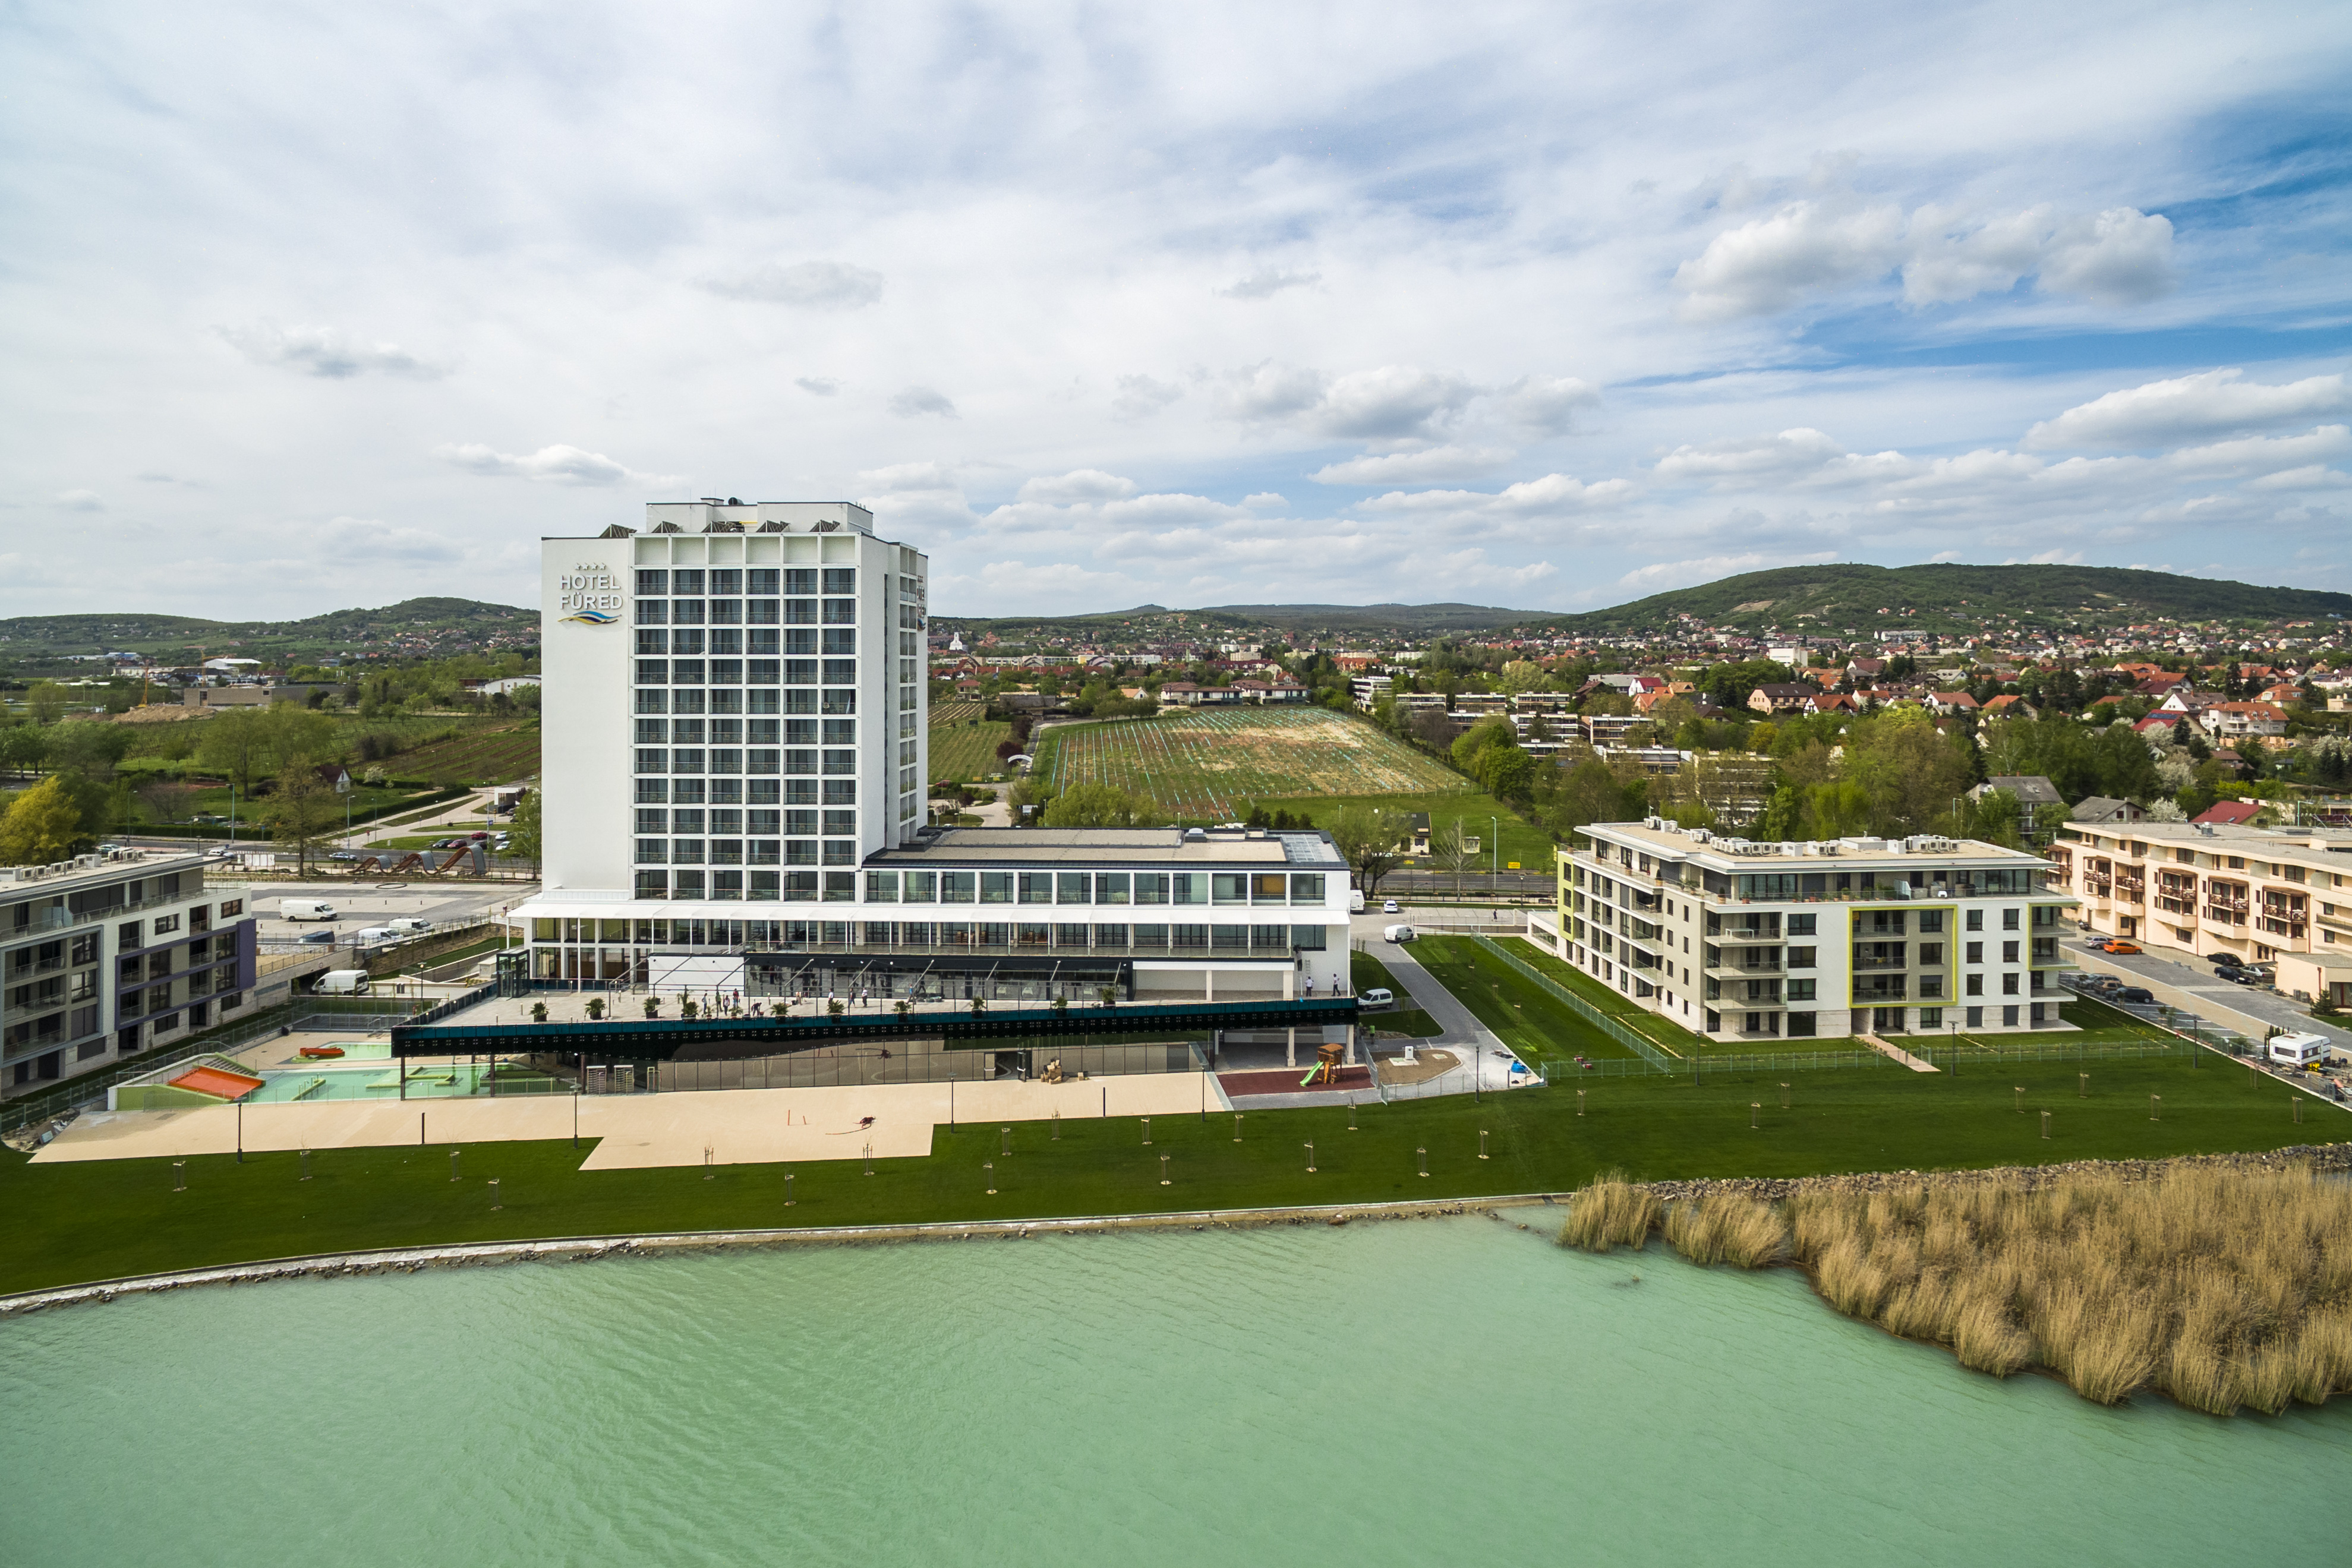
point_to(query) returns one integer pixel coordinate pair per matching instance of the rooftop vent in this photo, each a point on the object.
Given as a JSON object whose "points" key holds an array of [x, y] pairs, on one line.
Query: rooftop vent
{"points": [[617, 532], [667, 528]]}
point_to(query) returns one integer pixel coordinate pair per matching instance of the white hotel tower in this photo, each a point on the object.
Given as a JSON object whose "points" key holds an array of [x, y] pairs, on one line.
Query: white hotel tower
{"points": [[735, 764]]}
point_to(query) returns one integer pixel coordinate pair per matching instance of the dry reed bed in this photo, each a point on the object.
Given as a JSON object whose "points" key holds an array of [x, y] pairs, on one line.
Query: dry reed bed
{"points": [[2221, 1287]]}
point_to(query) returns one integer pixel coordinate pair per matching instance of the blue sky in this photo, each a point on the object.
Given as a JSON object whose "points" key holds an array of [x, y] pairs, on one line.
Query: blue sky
{"points": [[1540, 306]]}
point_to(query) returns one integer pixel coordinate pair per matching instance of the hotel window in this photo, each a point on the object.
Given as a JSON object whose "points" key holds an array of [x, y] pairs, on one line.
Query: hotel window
{"points": [[1035, 886], [1306, 887], [881, 887], [996, 887], [1072, 887], [959, 886], [841, 580], [1111, 887], [922, 886], [653, 582]]}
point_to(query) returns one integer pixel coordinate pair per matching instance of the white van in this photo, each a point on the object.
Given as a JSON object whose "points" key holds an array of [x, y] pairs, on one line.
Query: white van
{"points": [[1355, 901], [1377, 996], [1398, 933], [305, 909], [374, 933], [409, 925], [2296, 1049], [342, 983]]}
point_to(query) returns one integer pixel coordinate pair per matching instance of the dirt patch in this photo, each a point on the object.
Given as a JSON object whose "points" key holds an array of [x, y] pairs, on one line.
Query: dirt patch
{"points": [[1426, 1065]]}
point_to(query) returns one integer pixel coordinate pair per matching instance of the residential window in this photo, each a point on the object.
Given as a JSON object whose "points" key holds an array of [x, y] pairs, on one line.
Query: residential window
{"points": [[2009, 985], [2009, 920], [2009, 952], [1800, 959], [1974, 986], [1975, 952], [1976, 919]]}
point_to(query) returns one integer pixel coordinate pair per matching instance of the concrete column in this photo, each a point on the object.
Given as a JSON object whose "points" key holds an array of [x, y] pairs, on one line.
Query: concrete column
{"points": [[1209, 981], [1351, 1058], [1290, 1052], [1290, 984]]}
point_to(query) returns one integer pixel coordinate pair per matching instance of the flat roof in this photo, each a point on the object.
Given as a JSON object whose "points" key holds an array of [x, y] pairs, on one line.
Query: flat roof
{"points": [[33, 881], [1124, 846], [1730, 854]]}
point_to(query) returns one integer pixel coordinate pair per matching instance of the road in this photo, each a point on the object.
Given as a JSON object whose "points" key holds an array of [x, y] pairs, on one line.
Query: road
{"points": [[2196, 988]]}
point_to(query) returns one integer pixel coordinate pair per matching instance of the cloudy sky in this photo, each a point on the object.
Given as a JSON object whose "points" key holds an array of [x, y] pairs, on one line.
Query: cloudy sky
{"points": [[1550, 306]]}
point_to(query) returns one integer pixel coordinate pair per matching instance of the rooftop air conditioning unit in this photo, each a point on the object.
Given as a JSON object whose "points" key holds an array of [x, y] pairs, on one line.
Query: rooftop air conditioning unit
{"points": [[1700, 835]]}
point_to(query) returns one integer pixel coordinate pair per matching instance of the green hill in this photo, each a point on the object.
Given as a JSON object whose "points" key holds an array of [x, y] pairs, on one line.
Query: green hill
{"points": [[1957, 598], [423, 626]]}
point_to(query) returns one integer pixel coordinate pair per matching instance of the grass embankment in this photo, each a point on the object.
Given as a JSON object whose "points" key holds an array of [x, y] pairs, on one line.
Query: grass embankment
{"points": [[103, 1219], [1530, 1019], [1656, 1028], [2217, 1288], [1366, 971]]}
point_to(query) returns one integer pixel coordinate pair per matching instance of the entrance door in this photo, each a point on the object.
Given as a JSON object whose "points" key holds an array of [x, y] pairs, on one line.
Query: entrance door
{"points": [[1886, 1021]]}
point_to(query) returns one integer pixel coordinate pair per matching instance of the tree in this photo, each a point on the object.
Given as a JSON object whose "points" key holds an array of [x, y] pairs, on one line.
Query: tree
{"points": [[302, 809], [41, 825], [1479, 737], [168, 799], [522, 833], [1507, 771], [46, 701], [1450, 848], [1371, 840], [233, 744], [1098, 806], [23, 747], [1522, 675]]}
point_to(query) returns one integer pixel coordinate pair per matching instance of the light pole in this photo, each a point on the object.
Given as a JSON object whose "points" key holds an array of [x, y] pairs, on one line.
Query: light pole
{"points": [[1495, 854]]}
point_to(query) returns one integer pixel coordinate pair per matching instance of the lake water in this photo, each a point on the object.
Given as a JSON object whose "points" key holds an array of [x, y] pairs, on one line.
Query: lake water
{"points": [[1431, 1392]]}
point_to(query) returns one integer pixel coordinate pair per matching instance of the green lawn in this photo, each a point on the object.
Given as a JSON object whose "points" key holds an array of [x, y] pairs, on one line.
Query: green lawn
{"points": [[1656, 1028], [1522, 840], [1528, 1019], [103, 1219], [1364, 971], [964, 743]]}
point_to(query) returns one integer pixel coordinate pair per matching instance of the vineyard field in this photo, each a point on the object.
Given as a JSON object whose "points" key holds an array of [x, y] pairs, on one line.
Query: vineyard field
{"points": [[1211, 766], [497, 756], [963, 743]]}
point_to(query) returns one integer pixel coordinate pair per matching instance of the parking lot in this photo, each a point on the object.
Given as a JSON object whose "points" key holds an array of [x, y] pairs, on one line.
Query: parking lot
{"points": [[359, 905]]}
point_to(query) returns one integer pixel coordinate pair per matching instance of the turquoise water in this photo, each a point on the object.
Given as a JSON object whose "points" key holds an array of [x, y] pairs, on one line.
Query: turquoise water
{"points": [[313, 1082], [1424, 1393]]}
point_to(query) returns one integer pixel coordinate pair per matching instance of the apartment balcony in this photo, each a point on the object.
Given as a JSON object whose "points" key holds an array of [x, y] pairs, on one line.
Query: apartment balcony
{"points": [[2226, 914], [1881, 991], [1767, 963], [2277, 927]]}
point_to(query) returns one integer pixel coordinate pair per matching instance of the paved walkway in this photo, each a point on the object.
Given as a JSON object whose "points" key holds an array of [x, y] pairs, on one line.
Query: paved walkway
{"points": [[1896, 1054], [740, 1126]]}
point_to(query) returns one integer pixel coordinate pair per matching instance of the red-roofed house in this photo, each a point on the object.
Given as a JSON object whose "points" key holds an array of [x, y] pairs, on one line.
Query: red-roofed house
{"points": [[2228, 814], [2244, 719]]}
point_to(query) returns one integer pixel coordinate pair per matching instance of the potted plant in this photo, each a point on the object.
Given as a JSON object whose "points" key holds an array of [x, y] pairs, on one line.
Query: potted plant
{"points": [[835, 1008], [653, 1006], [1061, 1004], [539, 1012], [689, 1009], [595, 1007], [902, 1009]]}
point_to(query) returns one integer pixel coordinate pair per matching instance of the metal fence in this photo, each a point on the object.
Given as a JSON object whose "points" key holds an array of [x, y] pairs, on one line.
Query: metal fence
{"points": [[1651, 1057]]}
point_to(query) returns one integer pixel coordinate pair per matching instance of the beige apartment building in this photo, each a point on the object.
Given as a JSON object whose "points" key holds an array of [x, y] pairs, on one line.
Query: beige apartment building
{"points": [[2276, 895]]}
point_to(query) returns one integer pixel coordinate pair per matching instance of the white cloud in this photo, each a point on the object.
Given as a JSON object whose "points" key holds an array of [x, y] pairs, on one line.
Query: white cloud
{"points": [[550, 464], [1743, 460], [323, 351], [1944, 557], [1820, 244], [810, 285], [1553, 496], [2212, 403], [914, 402], [2312, 477], [1141, 397], [909, 476], [80, 501], [1392, 403], [1768, 265], [1424, 466], [1266, 284], [1545, 403], [818, 386], [1079, 484]]}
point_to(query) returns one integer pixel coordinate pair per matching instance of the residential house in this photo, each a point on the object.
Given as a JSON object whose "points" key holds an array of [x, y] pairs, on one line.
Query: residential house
{"points": [[2228, 814], [2040, 807], [1950, 703], [2010, 706], [2243, 719], [2107, 810], [1779, 697]]}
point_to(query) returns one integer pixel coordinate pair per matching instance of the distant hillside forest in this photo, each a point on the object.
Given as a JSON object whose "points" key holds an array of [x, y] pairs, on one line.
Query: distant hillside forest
{"points": [[414, 626], [1831, 600]]}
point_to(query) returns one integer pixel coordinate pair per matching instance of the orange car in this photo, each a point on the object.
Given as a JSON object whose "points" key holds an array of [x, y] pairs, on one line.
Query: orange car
{"points": [[2123, 948]]}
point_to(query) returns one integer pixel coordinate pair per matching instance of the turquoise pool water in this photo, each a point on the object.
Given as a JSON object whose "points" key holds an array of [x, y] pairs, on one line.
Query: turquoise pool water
{"points": [[311, 1083], [1455, 1392]]}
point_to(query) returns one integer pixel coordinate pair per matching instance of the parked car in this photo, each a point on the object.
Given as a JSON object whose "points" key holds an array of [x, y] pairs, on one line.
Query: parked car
{"points": [[2135, 996], [343, 855], [2122, 947], [2226, 961], [1377, 996], [1389, 907], [322, 938], [2242, 977], [1398, 933], [410, 925]]}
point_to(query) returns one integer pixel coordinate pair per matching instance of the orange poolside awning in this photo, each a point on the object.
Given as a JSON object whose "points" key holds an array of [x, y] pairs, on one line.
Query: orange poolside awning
{"points": [[218, 1082]]}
